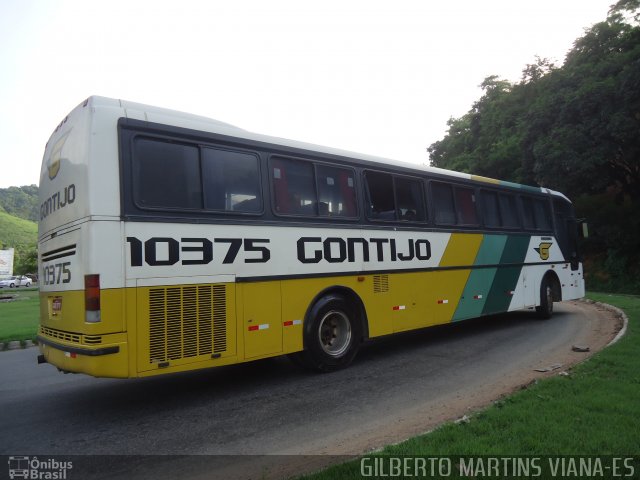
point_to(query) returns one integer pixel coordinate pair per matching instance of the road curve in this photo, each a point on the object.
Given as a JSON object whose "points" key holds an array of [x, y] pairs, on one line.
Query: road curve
{"points": [[397, 387]]}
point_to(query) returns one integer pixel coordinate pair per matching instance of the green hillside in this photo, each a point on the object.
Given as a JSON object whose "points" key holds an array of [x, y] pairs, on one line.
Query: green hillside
{"points": [[20, 201], [22, 235], [16, 231]]}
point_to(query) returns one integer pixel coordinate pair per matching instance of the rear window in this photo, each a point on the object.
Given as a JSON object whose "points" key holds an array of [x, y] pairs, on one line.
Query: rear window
{"points": [[170, 175], [166, 175]]}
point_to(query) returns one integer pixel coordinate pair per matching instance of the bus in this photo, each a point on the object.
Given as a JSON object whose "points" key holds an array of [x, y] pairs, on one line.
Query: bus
{"points": [[170, 242]]}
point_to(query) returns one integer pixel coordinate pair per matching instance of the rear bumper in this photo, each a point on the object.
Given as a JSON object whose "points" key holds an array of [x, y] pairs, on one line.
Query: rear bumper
{"points": [[91, 352], [110, 359]]}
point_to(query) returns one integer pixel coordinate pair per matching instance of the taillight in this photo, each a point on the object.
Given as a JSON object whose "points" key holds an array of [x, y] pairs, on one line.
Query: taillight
{"points": [[92, 298]]}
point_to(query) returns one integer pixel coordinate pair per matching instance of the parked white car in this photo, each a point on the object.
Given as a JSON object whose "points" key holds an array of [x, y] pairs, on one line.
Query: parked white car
{"points": [[16, 281]]}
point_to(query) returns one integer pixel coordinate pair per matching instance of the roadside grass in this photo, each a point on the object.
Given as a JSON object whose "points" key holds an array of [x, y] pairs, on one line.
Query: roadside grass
{"points": [[19, 319], [595, 410]]}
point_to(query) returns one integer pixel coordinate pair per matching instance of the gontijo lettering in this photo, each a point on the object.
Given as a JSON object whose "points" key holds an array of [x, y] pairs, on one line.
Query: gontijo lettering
{"points": [[200, 251], [58, 200]]}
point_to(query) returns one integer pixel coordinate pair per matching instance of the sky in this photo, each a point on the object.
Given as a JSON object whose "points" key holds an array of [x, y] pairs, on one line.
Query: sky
{"points": [[374, 77]]}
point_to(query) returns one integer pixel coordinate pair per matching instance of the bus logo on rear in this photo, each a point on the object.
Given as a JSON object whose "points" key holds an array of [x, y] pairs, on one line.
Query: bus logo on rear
{"points": [[53, 166]]}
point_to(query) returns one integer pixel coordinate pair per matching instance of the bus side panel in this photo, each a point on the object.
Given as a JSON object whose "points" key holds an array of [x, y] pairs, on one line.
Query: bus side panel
{"points": [[476, 291], [262, 324], [185, 326], [505, 281]]}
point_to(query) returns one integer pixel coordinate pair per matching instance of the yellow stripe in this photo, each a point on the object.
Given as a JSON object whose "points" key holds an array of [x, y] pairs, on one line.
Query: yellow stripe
{"points": [[480, 178], [461, 249]]}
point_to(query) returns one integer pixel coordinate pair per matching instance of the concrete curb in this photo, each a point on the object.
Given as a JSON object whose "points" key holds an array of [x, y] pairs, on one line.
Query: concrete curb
{"points": [[619, 313], [16, 345]]}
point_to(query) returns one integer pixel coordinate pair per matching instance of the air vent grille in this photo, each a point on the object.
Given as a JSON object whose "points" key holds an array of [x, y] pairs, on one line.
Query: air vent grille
{"points": [[380, 283], [60, 335], [186, 322]]}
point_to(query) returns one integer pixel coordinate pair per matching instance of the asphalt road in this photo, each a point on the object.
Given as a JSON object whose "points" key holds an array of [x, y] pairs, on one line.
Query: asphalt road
{"points": [[397, 386]]}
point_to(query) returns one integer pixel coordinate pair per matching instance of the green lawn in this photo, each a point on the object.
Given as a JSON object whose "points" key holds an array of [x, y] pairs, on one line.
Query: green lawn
{"points": [[19, 319], [593, 411]]}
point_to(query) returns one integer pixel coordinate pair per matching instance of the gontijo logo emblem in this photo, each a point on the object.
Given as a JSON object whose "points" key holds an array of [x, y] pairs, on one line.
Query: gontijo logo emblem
{"points": [[543, 250], [53, 165]]}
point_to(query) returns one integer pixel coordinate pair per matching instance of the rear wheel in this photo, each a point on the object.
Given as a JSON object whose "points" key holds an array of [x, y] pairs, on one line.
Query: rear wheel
{"points": [[545, 310], [332, 334]]}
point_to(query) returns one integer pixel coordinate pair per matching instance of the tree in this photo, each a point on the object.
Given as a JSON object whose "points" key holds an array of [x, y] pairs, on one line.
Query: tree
{"points": [[572, 128]]}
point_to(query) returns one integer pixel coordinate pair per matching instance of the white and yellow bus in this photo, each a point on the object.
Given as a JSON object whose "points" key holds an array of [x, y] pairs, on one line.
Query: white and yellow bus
{"points": [[171, 242]]}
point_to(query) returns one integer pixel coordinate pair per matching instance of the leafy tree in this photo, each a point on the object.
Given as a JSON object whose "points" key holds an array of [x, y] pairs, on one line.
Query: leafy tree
{"points": [[25, 259], [573, 128]]}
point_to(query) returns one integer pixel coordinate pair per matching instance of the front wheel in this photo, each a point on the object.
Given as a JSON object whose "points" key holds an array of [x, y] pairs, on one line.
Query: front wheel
{"points": [[332, 334], [545, 310]]}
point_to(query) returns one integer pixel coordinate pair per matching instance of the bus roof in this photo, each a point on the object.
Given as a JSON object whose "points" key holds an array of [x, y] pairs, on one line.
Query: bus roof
{"points": [[186, 120]]}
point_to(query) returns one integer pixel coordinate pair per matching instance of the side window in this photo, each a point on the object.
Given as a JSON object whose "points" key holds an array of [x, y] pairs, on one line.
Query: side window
{"points": [[336, 191], [166, 174], [381, 202], [490, 209], [231, 181], [542, 214], [508, 211], [293, 187], [410, 201], [466, 206], [527, 213], [443, 205]]}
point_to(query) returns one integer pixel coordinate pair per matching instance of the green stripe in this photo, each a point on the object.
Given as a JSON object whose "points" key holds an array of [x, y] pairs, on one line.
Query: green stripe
{"points": [[506, 278], [480, 280]]}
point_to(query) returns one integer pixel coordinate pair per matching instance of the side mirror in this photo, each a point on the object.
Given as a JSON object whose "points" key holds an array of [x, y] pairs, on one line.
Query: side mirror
{"points": [[584, 229]]}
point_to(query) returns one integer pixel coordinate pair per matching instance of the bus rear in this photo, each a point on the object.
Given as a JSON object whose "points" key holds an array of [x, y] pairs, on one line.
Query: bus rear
{"points": [[81, 292]]}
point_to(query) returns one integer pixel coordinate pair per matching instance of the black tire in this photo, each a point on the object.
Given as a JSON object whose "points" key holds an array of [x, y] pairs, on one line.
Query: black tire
{"points": [[12, 285], [332, 335], [545, 310]]}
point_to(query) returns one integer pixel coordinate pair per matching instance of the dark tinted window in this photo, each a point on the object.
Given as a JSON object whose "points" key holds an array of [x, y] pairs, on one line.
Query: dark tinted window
{"points": [[542, 214], [410, 199], [528, 219], [508, 211], [490, 209], [336, 191], [381, 201], [443, 206], [231, 181], [166, 175], [466, 206], [293, 187]]}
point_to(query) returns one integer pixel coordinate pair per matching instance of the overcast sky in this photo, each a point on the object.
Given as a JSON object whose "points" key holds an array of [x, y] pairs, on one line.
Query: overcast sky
{"points": [[373, 77]]}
